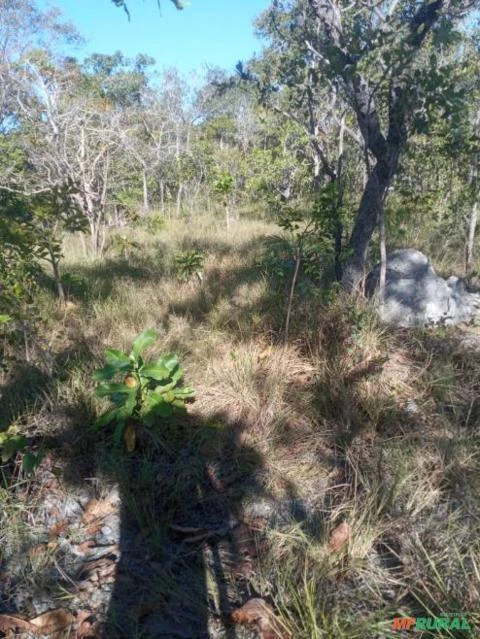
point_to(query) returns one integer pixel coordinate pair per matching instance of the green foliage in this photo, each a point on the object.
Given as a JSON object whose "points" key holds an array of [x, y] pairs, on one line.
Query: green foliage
{"points": [[224, 183], [122, 244], [311, 233], [142, 392], [74, 285], [188, 264], [13, 443], [53, 214], [19, 250], [153, 224]]}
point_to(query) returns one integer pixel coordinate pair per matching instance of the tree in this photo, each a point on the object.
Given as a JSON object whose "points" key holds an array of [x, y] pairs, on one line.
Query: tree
{"points": [[292, 83], [373, 54], [68, 128]]}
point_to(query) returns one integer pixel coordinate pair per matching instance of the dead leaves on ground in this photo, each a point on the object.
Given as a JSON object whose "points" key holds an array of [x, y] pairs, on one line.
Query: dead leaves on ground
{"points": [[257, 611], [55, 624], [339, 537], [99, 570], [95, 512]]}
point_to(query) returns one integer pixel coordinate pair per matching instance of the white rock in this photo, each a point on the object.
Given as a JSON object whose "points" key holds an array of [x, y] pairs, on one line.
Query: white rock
{"points": [[416, 295]]}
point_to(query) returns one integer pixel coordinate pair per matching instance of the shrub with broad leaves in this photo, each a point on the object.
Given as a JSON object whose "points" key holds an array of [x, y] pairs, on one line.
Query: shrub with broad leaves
{"points": [[142, 392]]}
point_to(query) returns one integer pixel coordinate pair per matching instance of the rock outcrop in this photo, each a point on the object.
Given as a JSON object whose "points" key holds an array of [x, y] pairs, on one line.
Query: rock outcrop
{"points": [[416, 295]]}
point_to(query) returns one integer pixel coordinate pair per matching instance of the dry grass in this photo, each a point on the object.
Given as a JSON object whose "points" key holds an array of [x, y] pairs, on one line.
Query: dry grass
{"points": [[348, 421]]}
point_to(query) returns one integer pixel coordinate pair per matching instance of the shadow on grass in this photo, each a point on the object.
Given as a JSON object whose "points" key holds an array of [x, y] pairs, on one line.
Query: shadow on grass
{"points": [[31, 383], [181, 548], [182, 492]]}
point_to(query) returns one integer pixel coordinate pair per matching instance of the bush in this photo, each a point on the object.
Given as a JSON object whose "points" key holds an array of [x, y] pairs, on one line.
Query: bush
{"points": [[149, 390]]}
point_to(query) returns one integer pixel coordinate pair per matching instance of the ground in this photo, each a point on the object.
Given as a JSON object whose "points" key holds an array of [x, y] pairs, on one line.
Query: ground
{"points": [[334, 475]]}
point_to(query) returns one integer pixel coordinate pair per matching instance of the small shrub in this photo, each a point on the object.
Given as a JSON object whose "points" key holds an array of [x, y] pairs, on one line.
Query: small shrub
{"points": [[123, 245], [153, 223], [74, 285], [189, 263], [149, 390]]}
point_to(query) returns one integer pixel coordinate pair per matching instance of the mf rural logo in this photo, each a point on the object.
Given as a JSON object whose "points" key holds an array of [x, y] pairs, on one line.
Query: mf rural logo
{"points": [[445, 622]]}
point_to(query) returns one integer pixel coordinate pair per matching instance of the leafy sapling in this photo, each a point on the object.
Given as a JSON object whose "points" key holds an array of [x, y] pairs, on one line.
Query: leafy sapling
{"points": [[189, 263], [148, 390]]}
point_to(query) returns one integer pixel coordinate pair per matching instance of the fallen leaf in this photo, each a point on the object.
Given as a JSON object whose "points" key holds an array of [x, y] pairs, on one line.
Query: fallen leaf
{"points": [[99, 569], [242, 568], [244, 540], [257, 524], [70, 306], [12, 623], [58, 528], [41, 549], [339, 536], [53, 622], [96, 510], [216, 483], [87, 628], [198, 534], [257, 611], [473, 594], [86, 546]]}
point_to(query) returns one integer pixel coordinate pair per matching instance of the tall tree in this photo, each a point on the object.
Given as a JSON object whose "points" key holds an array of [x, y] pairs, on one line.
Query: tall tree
{"points": [[373, 52]]}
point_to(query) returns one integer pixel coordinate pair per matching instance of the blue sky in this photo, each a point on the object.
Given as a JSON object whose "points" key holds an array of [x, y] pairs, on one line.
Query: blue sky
{"points": [[214, 32]]}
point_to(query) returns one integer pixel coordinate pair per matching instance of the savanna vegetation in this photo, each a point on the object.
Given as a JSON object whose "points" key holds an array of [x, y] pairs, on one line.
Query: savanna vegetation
{"points": [[205, 431]]}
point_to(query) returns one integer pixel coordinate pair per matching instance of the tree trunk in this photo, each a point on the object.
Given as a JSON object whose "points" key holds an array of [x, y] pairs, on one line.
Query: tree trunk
{"points": [[298, 257], [162, 197], [472, 225], [227, 216], [146, 203], [369, 213], [338, 232], [56, 277], [179, 199], [383, 257]]}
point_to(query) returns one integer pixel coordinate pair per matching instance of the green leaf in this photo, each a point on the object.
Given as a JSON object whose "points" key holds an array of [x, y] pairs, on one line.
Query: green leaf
{"points": [[176, 374], [119, 430], [4, 319], [179, 405], [116, 362], [151, 399], [112, 389], [116, 357], [130, 437], [30, 462], [144, 340], [6, 453], [118, 414], [185, 392], [105, 373], [170, 362], [163, 388], [162, 410], [11, 445], [106, 418], [157, 371]]}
